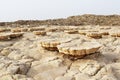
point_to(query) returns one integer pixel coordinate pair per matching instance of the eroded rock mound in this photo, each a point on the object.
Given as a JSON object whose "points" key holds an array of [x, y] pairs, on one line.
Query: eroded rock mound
{"points": [[39, 33], [36, 28], [71, 31], [96, 35], [115, 33], [9, 36], [50, 42], [4, 29], [79, 47]]}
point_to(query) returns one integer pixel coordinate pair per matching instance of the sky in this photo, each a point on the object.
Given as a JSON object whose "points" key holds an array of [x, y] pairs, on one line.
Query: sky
{"points": [[12, 10]]}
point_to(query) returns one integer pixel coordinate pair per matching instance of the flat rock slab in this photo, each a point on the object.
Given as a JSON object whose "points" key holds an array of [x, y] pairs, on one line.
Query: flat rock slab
{"points": [[79, 47], [9, 36], [53, 40], [39, 33]]}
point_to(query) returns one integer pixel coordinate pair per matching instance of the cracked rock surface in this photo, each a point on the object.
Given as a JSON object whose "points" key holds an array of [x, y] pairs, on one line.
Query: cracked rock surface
{"points": [[25, 58]]}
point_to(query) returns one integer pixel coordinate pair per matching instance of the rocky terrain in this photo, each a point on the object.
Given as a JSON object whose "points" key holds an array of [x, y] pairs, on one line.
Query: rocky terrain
{"points": [[60, 53], [86, 19]]}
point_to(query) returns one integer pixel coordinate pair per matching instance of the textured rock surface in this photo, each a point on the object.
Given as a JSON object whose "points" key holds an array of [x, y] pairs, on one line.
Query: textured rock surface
{"points": [[53, 40], [39, 32], [9, 36], [86, 19], [79, 47], [25, 59]]}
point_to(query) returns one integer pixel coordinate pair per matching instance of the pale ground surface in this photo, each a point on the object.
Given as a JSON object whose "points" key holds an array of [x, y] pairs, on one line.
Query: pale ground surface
{"points": [[24, 59]]}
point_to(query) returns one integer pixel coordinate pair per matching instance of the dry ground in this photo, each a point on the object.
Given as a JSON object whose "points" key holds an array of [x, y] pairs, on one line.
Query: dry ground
{"points": [[24, 58]]}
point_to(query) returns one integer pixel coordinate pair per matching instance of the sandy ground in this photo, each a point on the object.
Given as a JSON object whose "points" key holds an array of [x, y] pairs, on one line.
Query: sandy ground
{"points": [[23, 58]]}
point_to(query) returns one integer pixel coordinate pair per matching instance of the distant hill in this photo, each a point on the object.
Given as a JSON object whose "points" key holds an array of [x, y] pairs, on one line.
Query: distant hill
{"points": [[87, 19]]}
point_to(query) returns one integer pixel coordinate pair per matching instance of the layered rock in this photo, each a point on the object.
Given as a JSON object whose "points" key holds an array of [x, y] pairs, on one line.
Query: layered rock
{"points": [[9, 36], [79, 47]]}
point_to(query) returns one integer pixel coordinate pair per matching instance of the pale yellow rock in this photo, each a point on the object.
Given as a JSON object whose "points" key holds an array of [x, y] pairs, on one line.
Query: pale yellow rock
{"points": [[81, 76], [82, 32], [6, 77], [50, 74], [18, 68], [34, 70], [51, 42], [16, 30], [71, 31], [4, 37], [90, 68], [104, 32], [15, 35], [85, 32], [78, 47], [24, 29], [9, 36], [24, 58], [51, 29], [73, 71], [95, 35], [5, 51], [21, 77], [36, 29], [15, 55], [93, 30], [115, 33], [41, 66], [64, 78], [105, 73], [4, 29], [39, 33], [86, 67]]}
